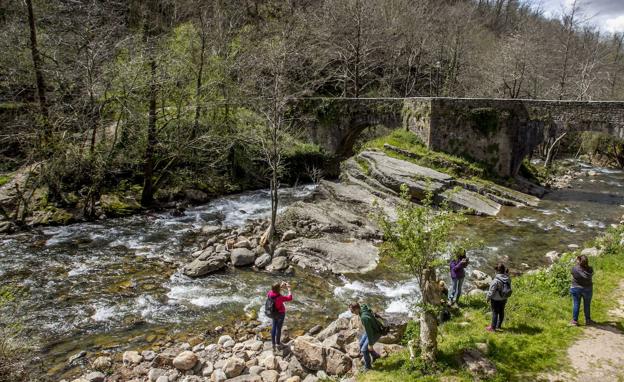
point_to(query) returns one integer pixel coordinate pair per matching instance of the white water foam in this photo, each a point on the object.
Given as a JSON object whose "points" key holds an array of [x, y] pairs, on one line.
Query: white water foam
{"points": [[104, 313]]}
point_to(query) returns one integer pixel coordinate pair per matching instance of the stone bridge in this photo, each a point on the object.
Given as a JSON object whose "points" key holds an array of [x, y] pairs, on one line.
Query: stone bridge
{"points": [[497, 132]]}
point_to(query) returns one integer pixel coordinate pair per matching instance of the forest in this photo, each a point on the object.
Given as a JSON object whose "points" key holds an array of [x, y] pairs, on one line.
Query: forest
{"points": [[155, 97]]}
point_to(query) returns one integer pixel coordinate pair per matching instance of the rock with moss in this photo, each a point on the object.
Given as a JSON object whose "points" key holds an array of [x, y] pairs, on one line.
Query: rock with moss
{"points": [[115, 205]]}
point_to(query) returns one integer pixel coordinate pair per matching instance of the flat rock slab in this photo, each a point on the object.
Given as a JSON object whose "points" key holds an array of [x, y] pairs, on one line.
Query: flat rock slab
{"points": [[357, 256], [461, 198]]}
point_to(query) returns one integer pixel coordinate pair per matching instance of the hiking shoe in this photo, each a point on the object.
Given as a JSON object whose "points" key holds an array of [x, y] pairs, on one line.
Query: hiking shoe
{"points": [[490, 329], [573, 323], [590, 322]]}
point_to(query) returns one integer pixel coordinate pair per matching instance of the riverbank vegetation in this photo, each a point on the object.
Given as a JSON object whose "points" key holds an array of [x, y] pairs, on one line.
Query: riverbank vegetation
{"points": [[536, 332]]}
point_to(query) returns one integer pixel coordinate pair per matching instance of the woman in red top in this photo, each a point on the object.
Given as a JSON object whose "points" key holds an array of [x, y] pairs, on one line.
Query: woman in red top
{"points": [[278, 322]]}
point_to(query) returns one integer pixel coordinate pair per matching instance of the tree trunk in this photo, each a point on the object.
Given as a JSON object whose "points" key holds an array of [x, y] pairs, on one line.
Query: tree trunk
{"points": [[41, 87], [428, 319], [549, 155], [147, 197], [200, 73]]}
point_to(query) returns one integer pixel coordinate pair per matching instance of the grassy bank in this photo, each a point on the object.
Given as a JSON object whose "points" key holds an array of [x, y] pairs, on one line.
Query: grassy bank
{"points": [[537, 331]]}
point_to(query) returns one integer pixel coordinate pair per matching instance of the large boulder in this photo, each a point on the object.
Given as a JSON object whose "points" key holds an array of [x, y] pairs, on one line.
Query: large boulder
{"points": [[278, 264], [131, 358], [336, 362], [309, 352], [241, 257], [234, 367], [314, 356], [198, 267], [262, 261]]}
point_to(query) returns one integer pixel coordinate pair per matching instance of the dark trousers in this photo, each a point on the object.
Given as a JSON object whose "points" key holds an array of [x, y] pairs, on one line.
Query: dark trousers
{"points": [[586, 295], [276, 329], [498, 313]]}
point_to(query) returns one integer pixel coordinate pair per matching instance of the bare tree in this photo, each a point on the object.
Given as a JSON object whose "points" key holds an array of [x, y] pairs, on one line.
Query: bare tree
{"points": [[37, 65]]}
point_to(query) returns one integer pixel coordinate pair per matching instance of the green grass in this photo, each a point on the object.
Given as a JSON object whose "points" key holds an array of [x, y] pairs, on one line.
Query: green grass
{"points": [[537, 332], [446, 163], [4, 179]]}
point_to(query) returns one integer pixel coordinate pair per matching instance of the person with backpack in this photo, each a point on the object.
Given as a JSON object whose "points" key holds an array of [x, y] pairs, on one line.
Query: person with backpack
{"points": [[373, 330], [275, 309], [582, 287], [458, 273], [500, 290]]}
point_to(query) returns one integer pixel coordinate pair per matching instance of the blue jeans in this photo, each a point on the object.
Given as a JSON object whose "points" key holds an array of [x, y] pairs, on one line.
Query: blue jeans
{"points": [[586, 294], [456, 290], [367, 353], [276, 329]]}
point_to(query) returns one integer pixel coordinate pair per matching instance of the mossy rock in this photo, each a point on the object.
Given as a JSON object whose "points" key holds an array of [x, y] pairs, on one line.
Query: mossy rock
{"points": [[114, 205], [51, 216]]}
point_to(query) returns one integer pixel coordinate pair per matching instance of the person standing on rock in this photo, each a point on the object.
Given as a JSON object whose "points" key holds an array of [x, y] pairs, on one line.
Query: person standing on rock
{"points": [[276, 310], [372, 333], [500, 290], [458, 273], [582, 287]]}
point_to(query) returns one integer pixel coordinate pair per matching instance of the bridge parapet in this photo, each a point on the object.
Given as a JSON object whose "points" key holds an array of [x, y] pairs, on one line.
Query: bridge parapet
{"points": [[497, 132]]}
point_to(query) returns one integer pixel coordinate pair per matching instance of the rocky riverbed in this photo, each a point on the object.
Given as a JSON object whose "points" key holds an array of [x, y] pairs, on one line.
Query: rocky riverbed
{"points": [[247, 357], [114, 285]]}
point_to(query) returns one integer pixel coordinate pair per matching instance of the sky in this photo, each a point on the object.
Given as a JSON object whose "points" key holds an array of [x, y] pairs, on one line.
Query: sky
{"points": [[607, 15]]}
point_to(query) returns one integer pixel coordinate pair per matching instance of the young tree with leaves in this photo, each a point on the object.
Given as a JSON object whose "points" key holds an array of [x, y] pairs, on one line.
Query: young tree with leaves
{"points": [[418, 238]]}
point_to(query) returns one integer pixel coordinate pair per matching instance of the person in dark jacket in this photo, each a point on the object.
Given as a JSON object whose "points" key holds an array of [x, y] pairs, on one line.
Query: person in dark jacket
{"points": [[372, 332], [497, 295], [278, 322], [458, 272], [581, 287]]}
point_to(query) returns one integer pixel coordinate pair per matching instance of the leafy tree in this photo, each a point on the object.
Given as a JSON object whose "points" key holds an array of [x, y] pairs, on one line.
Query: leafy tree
{"points": [[418, 238]]}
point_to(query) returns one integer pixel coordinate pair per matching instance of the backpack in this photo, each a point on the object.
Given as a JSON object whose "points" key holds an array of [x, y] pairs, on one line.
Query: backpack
{"points": [[505, 290], [385, 329], [270, 309]]}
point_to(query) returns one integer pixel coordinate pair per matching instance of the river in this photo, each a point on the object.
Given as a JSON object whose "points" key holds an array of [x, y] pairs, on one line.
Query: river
{"points": [[114, 284]]}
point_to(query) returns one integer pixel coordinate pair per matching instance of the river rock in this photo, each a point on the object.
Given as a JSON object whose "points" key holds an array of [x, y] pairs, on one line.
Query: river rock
{"points": [[483, 284], [310, 378], [263, 261], [148, 355], [336, 362], [76, 357], [218, 376], [234, 367], [476, 293], [243, 243], [269, 363], [477, 364], [195, 196], [553, 256], [198, 268], [295, 367], [131, 358], [241, 257], [155, 373], [223, 339], [95, 376], [210, 230], [269, 376], [278, 264], [102, 363], [309, 351], [281, 252], [289, 235], [256, 370], [185, 360], [591, 252], [163, 378], [336, 326]]}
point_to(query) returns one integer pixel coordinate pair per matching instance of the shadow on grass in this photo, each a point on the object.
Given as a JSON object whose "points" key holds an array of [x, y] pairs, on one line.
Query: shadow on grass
{"points": [[609, 326], [475, 303], [524, 329]]}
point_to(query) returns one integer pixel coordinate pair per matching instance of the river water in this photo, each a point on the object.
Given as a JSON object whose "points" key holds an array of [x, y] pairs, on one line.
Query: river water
{"points": [[114, 284]]}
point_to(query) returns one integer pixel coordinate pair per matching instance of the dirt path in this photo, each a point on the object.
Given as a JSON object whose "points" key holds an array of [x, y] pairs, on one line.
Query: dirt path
{"points": [[599, 354]]}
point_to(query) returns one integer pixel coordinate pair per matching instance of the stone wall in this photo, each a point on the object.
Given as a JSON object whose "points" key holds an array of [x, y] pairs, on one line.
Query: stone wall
{"points": [[497, 132]]}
